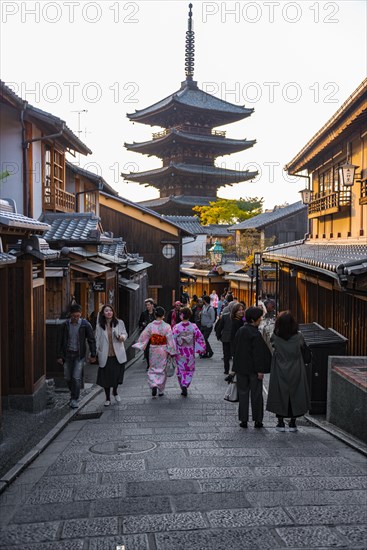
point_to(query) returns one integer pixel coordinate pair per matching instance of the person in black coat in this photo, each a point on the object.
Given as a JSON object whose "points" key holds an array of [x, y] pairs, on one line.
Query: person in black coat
{"points": [[251, 359]]}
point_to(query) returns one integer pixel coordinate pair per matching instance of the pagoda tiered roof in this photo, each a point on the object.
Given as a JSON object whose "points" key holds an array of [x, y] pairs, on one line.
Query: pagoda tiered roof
{"points": [[189, 99], [218, 144], [200, 173]]}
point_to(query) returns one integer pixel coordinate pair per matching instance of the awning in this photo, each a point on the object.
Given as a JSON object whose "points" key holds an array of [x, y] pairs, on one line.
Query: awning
{"points": [[135, 268], [128, 284], [6, 259], [90, 268], [185, 275]]}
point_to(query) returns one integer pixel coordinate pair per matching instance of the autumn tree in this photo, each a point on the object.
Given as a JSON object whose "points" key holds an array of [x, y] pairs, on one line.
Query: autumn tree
{"points": [[229, 211]]}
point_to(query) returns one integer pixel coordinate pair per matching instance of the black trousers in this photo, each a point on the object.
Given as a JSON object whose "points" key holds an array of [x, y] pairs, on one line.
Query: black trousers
{"points": [[226, 355], [249, 386], [206, 332]]}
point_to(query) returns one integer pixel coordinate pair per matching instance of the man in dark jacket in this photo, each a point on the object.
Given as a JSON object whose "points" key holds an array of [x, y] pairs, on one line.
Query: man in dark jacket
{"points": [[252, 358], [72, 350]]}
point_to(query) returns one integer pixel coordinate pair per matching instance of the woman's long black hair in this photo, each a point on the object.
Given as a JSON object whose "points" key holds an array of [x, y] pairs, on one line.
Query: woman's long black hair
{"points": [[102, 319]]}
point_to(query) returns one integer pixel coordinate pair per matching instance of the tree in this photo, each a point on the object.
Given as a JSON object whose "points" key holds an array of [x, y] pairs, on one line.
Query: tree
{"points": [[229, 211]]}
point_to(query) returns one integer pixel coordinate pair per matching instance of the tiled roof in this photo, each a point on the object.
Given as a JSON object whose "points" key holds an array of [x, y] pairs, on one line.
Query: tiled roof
{"points": [[54, 123], [192, 96], [219, 143], [223, 175], [74, 227], [190, 223], [266, 218], [329, 257], [91, 176], [6, 259], [218, 230], [18, 221]]}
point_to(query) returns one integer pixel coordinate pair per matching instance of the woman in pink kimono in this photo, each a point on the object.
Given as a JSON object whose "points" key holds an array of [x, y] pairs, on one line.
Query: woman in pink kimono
{"points": [[159, 335], [189, 341]]}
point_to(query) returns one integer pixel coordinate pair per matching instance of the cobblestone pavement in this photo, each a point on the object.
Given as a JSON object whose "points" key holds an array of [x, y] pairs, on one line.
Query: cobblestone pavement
{"points": [[174, 473]]}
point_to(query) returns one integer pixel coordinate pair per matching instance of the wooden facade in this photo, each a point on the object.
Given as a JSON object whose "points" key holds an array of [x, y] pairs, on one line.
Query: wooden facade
{"points": [[148, 234], [323, 278]]}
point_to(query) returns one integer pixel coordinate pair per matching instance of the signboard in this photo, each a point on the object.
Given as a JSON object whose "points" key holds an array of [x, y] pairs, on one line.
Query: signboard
{"points": [[99, 286]]}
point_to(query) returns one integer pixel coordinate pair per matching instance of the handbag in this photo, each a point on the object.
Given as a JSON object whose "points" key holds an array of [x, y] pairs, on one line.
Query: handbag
{"points": [[171, 365], [231, 393], [306, 354]]}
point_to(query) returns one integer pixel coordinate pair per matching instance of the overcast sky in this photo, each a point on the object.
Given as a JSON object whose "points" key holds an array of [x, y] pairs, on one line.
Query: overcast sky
{"points": [[294, 62]]}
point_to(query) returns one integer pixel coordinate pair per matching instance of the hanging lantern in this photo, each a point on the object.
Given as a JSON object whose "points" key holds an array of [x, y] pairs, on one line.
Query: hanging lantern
{"points": [[346, 174], [216, 253], [306, 195]]}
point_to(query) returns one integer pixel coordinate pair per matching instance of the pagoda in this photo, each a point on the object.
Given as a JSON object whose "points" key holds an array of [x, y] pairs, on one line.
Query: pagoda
{"points": [[188, 145]]}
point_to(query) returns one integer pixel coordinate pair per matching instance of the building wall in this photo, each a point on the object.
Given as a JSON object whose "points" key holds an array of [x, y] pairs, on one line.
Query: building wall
{"points": [[146, 240], [192, 249], [350, 223], [11, 157]]}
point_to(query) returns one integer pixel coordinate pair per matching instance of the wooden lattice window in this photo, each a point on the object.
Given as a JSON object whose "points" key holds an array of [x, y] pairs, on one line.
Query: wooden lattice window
{"points": [[54, 173]]}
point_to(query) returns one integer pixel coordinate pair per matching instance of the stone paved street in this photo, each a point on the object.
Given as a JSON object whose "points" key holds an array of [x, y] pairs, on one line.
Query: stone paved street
{"points": [[174, 473]]}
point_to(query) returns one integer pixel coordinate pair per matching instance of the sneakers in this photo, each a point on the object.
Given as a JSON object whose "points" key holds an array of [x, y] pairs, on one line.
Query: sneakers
{"points": [[184, 392], [161, 394], [117, 398], [107, 403], [292, 426], [258, 425], [73, 404], [210, 354], [243, 424], [154, 392], [280, 427]]}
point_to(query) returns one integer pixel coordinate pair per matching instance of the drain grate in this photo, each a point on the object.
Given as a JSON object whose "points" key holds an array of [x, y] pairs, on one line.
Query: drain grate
{"points": [[87, 416]]}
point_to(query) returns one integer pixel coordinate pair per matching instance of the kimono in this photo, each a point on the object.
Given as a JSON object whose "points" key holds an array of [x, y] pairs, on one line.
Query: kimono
{"points": [[188, 340], [159, 335]]}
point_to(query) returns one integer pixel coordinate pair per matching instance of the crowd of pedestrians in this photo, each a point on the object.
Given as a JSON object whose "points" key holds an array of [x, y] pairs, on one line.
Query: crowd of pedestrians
{"points": [[254, 340]]}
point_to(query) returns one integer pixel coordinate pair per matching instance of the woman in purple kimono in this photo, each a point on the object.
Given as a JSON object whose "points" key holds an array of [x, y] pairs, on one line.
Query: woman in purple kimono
{"points": [[159, 335], [189, 341]]}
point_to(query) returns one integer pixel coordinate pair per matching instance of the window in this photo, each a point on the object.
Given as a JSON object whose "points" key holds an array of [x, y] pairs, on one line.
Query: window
{"points": [[90, 202], [54, 174], [168, 251]]}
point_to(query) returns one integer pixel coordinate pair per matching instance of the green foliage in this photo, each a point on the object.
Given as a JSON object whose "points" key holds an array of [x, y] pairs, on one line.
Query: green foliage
{"points": [[4, 175], [229, 211]]}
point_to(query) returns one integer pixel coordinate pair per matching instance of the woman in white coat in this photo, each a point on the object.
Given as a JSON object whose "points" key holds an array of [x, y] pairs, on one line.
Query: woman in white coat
{"points": [[110, 337]]}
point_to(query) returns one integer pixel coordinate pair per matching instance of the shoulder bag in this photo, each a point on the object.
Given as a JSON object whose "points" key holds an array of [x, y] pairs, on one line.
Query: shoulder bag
{"points": [[231, 393], [171, 365]]}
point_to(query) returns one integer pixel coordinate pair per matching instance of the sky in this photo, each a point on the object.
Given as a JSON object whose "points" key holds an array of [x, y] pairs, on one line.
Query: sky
{"points": [[91, 63]]}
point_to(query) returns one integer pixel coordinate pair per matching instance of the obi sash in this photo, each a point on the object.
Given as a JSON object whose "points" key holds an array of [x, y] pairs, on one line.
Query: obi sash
{"points": [[158, 340]]}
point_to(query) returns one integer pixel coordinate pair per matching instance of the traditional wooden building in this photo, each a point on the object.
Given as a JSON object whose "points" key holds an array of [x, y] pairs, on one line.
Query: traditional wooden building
{"points": [[22, 309], [158, 240], [189, 145], [324, 278]]}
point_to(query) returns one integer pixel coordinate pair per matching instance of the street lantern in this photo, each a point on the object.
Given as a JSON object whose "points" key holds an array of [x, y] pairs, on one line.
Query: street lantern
{"points": [[216, 253], [306, 195], [257, 263], [346, 174]]}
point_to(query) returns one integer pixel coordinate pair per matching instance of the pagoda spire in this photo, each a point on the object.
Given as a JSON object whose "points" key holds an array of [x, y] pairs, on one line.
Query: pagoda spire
{"points": [[190, 47]]}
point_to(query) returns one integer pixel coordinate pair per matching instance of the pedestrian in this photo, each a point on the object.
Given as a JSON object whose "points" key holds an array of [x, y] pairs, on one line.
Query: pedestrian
{"points": [[159, 335], [189, 340], [76, 331], [207, 322], [174, 314], [237, 312], [214, 301], [196, 313], [221, 304], [268, 322], [223, 331], [110, 337], [185, 297], [251, 359], [193, 301], [146, 317], [288, 386]]}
